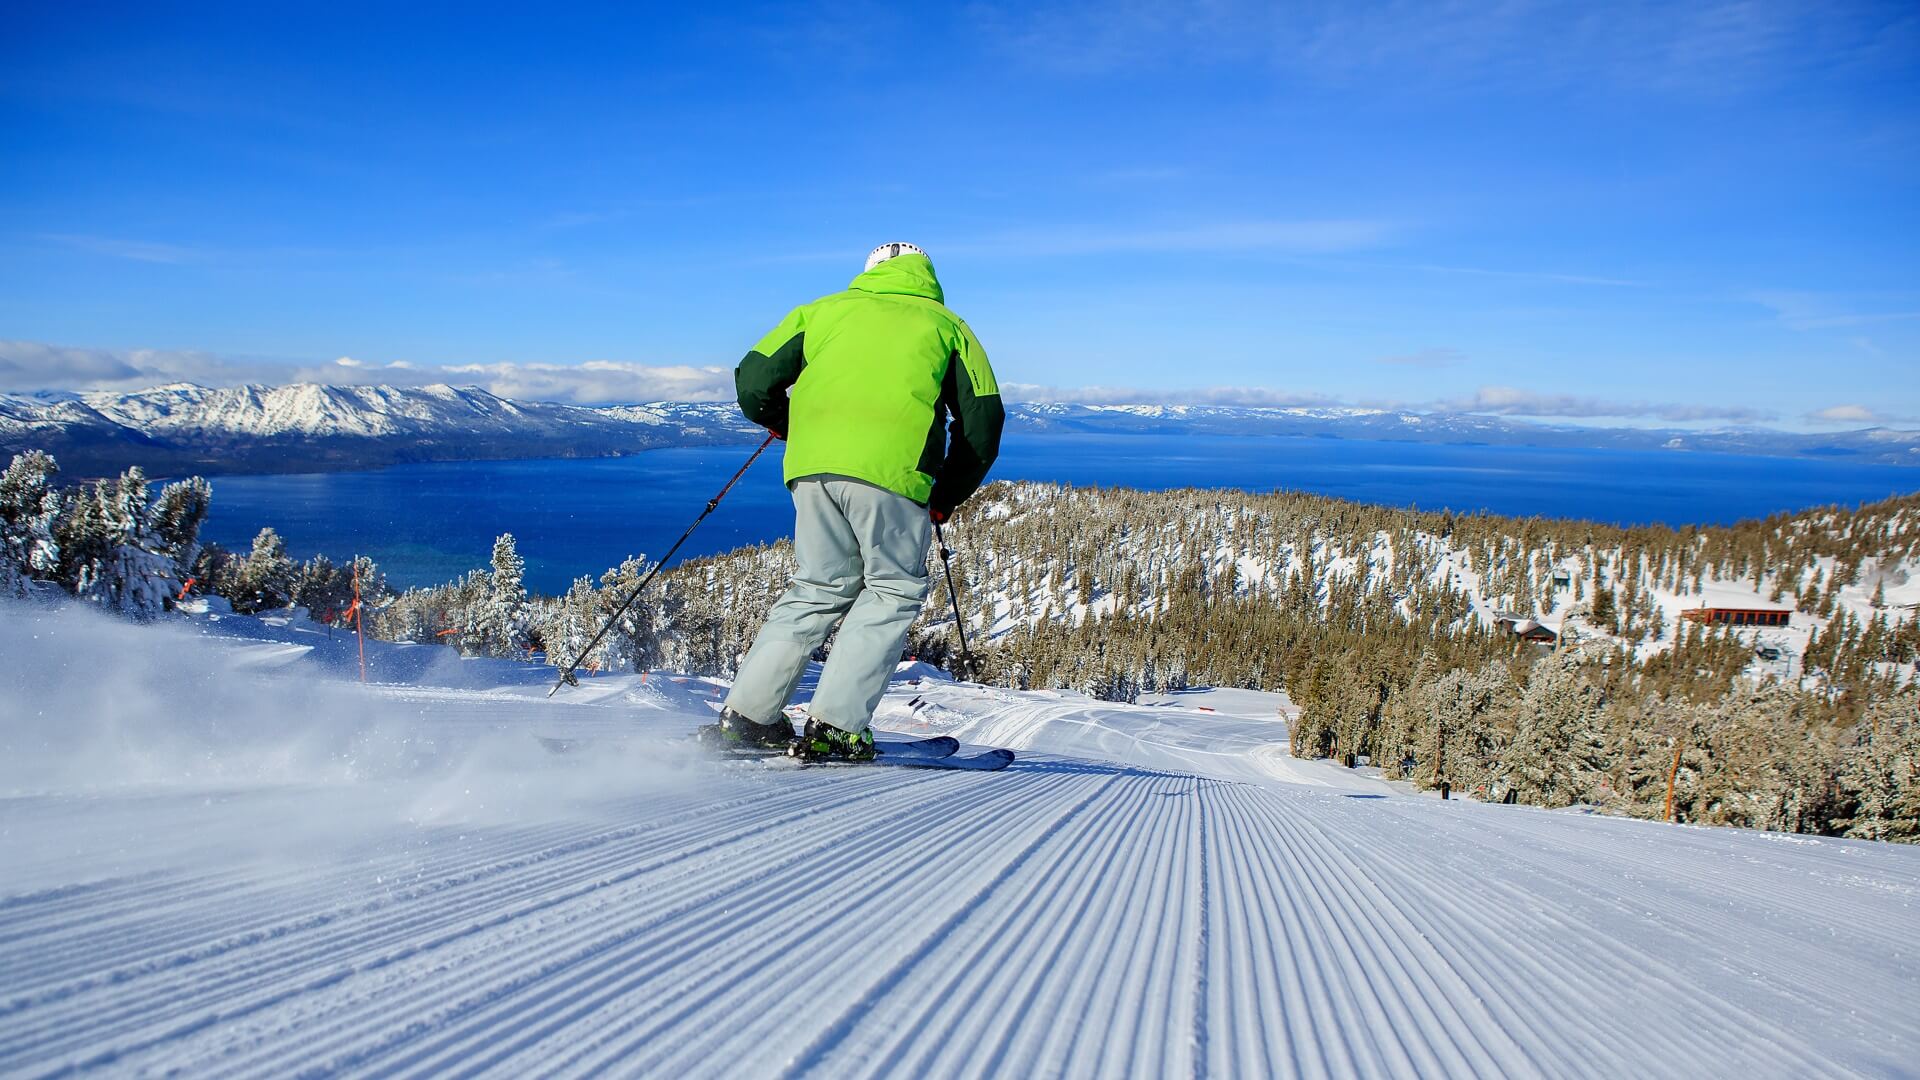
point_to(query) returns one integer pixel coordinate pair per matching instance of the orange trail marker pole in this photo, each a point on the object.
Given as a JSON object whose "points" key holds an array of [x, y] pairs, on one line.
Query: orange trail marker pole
{"points": [[359, 620]]}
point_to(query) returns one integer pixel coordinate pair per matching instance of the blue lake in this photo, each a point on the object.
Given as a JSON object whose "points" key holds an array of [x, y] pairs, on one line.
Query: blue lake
{"points": [[430, 523]]}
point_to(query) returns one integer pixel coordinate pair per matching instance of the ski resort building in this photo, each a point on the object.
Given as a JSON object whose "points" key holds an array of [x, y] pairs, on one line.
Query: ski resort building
{"points": [[1526, 628], [1739, 616]]}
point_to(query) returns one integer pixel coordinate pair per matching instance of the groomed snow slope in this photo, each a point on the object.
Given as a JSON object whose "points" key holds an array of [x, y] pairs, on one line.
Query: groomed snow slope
{"points": [[222, 861]]}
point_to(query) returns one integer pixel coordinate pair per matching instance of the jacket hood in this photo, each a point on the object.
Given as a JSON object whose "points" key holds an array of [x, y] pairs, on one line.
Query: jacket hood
{"points": [[911, 275]]}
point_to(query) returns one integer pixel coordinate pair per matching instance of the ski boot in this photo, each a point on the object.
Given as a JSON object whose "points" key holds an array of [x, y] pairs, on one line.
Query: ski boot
{"points": [[824, 742], [736, 732]]}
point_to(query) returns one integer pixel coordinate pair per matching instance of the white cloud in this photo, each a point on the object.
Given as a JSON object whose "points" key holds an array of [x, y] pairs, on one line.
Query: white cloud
{"points": [[1843, 414], [595, 382], [1245, 396], [33, 365], [27, 366], [1855, 415], [1488, 400], [1514, 401]]}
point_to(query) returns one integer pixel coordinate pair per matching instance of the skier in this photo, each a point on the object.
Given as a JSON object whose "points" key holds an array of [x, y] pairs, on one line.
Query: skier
{"points": [[893, 420]]}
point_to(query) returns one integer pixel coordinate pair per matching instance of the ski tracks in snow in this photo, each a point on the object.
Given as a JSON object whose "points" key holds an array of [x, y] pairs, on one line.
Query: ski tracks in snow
{"points": [[1059, 918]]}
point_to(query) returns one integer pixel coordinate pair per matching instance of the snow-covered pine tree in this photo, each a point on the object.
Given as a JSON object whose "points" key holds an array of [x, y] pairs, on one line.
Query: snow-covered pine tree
{"points": [[140, 578], [570, 623], [29, 506], [267, 578], [324, 589], [176, 518], [1881, 773], [109, 554], [1554, 755], [500, 624]]}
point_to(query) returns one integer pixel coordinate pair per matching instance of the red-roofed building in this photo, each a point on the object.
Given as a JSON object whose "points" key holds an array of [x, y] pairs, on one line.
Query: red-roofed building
{"points": [[1739, 616]]}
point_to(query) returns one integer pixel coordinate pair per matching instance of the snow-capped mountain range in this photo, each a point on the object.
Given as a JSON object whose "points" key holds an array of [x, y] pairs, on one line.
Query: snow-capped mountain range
{"points": [[305, 426]]}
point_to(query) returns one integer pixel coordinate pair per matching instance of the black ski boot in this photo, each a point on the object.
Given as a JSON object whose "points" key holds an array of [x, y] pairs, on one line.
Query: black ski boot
{"points": [[736, 732], [824, 742]]}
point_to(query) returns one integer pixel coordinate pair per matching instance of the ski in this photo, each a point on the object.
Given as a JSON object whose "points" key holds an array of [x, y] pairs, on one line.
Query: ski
{"points": [[901, 750], [985, 761], [934, 748]]}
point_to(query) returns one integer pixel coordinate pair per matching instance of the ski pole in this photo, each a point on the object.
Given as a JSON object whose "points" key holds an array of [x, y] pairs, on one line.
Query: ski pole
{"points": [[959, 624], [566, 673]]}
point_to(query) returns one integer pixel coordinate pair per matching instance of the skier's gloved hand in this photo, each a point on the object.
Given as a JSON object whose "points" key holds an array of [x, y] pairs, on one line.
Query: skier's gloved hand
{"points": [[938, 515]]}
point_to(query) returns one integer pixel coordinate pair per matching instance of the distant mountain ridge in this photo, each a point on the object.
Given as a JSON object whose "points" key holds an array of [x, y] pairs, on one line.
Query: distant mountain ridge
{"points": [[306, 427], [1882, 446]]}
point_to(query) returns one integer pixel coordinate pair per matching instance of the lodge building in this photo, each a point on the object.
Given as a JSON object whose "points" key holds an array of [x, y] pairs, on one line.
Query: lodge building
{"points": [[1732, 616]]}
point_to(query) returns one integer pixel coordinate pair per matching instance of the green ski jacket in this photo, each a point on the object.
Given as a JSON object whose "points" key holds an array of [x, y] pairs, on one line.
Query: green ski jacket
{"points": [[881, 383]]}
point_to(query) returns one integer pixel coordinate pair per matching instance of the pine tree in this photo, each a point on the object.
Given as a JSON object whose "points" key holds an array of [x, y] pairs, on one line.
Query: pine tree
{"points": [[29, 506], [267, 578], [1881, 773], [501, 622], [125, 569], [176, 519], [1555, 751]]}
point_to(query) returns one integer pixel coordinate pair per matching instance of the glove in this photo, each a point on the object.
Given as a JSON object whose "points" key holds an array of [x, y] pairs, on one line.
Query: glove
{"points": [[939, 516]]}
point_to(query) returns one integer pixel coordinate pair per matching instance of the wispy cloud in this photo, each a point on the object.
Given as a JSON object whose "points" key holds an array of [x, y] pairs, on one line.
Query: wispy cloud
{"points": [[1799, 310], [1712, 48], [596, 381], [1514, 401], [1290, 237], [1244, 396], [30, 366], [1522, 275], [33, 365], [27, 366], [1854, 416], [1426, 358], [1488, 400], [121, 248]]}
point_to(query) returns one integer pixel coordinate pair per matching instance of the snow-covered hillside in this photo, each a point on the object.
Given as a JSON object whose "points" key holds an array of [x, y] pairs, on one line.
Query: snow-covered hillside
{"points": [[223, 859], [1039, 553]]}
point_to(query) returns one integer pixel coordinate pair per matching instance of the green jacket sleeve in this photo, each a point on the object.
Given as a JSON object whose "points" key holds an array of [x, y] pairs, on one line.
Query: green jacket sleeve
{"points": [[769, 368], [972, 397]]}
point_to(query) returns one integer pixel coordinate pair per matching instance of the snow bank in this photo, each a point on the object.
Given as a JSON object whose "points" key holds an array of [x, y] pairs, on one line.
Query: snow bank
{"points": [[97, 704]]}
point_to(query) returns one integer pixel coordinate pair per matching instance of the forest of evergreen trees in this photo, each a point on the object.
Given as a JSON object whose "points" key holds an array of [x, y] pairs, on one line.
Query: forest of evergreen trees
{"points": [[1373, 619]]}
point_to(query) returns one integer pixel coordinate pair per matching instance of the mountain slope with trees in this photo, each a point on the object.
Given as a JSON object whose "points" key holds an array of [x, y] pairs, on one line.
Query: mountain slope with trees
{"points": [[1393, 630]]}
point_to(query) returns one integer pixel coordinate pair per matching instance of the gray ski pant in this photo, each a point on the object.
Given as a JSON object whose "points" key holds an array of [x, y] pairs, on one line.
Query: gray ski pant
{"points": [[861, 555]]}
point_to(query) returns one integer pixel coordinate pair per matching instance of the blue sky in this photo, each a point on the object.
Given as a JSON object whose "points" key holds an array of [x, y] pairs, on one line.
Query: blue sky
{"points": [[1671, 214]]}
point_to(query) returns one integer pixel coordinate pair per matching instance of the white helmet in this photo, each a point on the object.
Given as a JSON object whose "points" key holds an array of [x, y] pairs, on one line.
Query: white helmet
{"points": [[889, 251]]}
